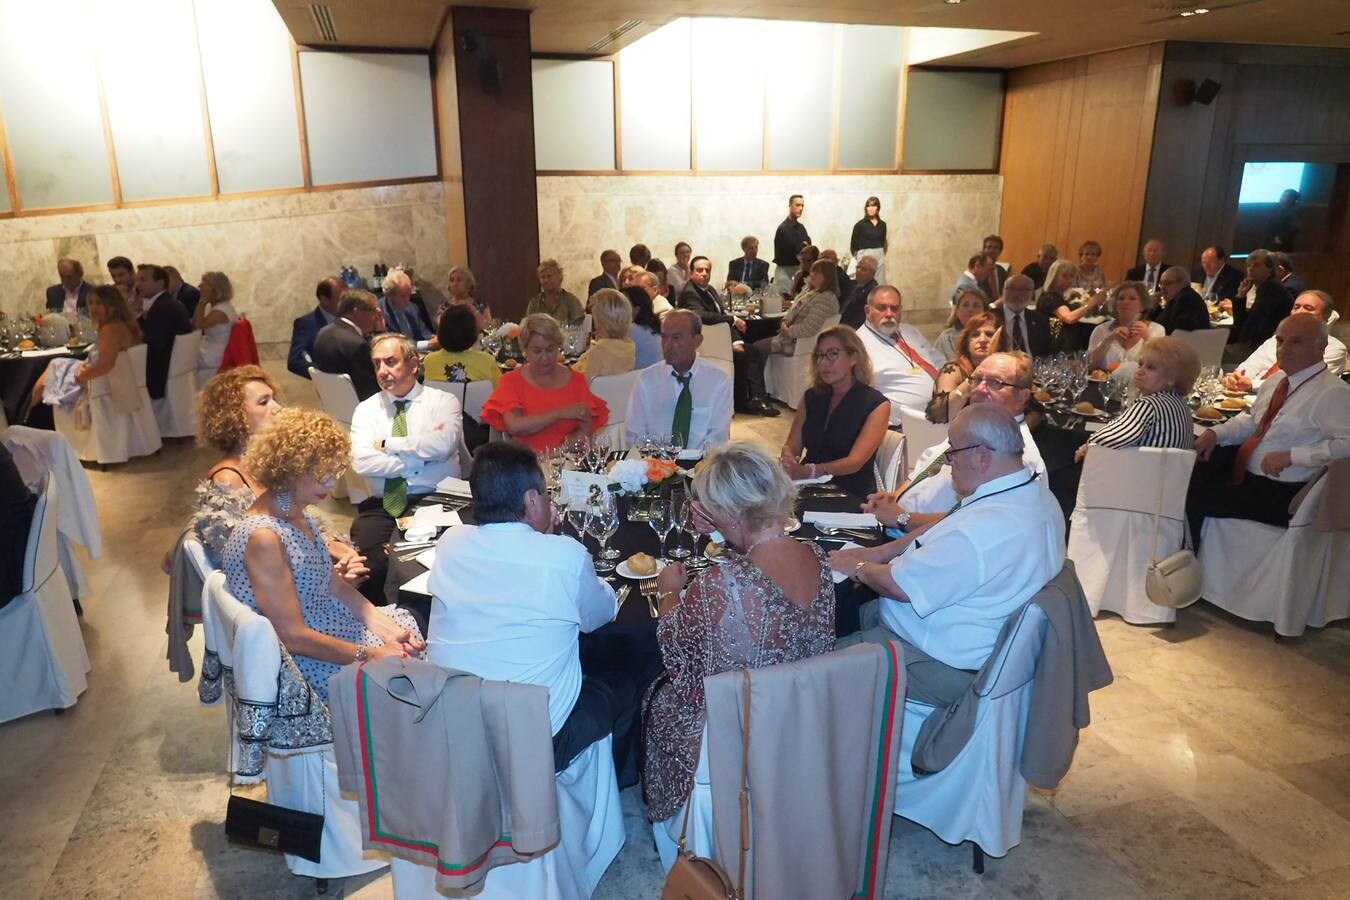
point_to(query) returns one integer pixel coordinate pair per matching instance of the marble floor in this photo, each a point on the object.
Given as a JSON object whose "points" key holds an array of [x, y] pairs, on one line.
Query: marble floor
{"points": [[1217, 765]]}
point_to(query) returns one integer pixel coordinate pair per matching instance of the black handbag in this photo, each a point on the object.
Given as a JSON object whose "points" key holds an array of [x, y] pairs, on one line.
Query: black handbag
{"points": [[275, 827]]}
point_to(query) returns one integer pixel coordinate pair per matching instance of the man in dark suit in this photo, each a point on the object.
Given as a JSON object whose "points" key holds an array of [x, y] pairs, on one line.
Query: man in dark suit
{"points": [[1217, 279], [1182, 307], [1255, 317], [1037, 269], [305, 328], [343, 348], [1027, 329], [183, 292], [840, 276], [404, 316], [749, 269], [1284, 271], [700, 298], [853, 311], [610, 263], [71, 294], [993, 284], [163, 320], [1151, 269]]}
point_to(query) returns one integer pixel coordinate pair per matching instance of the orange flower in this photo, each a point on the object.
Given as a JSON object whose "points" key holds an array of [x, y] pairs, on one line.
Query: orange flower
{"points": [[659, 470], [514, 332], [1112, 366]]}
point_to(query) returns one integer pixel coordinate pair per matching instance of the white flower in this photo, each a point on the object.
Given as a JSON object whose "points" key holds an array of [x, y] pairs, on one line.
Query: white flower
{"points": [[631, 474], [504, 331]]}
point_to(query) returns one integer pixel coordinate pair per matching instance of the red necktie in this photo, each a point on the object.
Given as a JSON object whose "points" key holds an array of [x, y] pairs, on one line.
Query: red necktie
{"points": [[1248, 447], [914, 357], [1271, 371]]}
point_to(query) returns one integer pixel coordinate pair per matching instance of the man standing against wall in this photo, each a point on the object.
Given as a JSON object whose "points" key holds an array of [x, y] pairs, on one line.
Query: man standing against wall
{"points": [[788, 241]]}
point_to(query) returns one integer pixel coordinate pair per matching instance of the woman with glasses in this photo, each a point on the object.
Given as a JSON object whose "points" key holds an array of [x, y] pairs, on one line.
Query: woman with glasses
{"points": [[1121, 338], [1159, 417], [951, 392], [841, 418]]}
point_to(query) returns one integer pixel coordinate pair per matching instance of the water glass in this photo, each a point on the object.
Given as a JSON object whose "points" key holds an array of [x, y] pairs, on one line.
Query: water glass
{"points": [[602, 525], [683, 522], [576, 517], [659, 519]]}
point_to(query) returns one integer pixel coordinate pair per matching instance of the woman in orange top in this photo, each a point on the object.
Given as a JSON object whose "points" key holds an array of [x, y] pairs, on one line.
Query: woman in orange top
{"points": [[543, 403]]}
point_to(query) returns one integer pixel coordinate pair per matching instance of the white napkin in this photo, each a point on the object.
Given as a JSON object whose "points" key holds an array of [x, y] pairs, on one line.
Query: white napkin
{"points": [[456, 487], [418, 585], [819, 479], [841, 577], [840, 519], [37, 354], [427, 557], [434, 516]]}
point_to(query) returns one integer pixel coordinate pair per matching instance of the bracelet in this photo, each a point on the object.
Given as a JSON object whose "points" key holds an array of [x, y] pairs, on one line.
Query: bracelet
{"points": [[812, 467], [362, 654], [858, 568]]}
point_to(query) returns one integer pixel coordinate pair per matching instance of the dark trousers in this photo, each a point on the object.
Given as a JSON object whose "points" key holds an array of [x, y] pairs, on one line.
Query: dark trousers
{"points": [[608, 703], [371, 530], [1212, 494], [927, 680], [756, 354]]}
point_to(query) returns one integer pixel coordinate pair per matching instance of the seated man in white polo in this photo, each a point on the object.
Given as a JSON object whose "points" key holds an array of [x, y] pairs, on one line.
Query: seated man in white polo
{"points": [[683, 396], [904, 364], [405, 439], [947, 593]]}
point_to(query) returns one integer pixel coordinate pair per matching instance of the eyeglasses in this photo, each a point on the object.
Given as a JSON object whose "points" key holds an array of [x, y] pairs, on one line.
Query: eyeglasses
{"points": [[955, 450], [831, 354], [992, 383]]}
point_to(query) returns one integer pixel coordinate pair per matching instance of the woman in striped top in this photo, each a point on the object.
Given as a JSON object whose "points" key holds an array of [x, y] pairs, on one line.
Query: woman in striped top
{"points": [[1159, 417]]}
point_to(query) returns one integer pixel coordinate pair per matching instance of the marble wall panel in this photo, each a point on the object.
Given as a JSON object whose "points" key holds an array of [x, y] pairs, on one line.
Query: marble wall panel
{"points": [[274, 248], [935, 221]]}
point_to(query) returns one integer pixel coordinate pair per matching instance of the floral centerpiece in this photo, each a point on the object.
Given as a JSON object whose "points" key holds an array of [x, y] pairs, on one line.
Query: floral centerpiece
{"points": [[509, 335], [643, 479]]}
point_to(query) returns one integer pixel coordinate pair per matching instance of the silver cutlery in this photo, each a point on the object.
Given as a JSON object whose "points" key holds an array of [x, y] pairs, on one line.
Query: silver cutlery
{"points": [[623, 595], [832, 530], [648, 588]]}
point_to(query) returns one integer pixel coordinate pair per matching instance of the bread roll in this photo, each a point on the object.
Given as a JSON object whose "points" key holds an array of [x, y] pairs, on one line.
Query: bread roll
{"points": [[714, 550], [1233, 403], [1084, 407], [642, 564], [1208, 412]]}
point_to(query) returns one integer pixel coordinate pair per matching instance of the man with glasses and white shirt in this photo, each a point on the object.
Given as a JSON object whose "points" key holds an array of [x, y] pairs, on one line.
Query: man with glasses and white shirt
{"points": [[904, 364], [1255, 369]]}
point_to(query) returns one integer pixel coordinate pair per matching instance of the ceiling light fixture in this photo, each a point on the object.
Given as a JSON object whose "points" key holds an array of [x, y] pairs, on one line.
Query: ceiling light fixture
{"points": [[1198, 11], [951, 2], [614, 35]]}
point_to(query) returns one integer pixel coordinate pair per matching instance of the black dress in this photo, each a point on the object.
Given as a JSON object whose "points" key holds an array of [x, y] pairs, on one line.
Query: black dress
{"points": [[829, 436], [1064, 337]]}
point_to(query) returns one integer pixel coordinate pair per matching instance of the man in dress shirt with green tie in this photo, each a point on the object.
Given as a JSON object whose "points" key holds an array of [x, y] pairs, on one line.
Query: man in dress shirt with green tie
{"points": [[683, 395]]}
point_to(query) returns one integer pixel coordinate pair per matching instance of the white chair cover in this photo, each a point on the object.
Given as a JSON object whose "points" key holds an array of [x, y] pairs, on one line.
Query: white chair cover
{"points": [[716, 347], [115, 434], [176, 413], [77, 516], [305, 780], [1291, 577], [785, 377], [43, 661], [591, 822], [920, 434], [889, 465], [615, 390], [980, 795], [698, 839], [338, 398], [1208, 344], [1111, 529]]}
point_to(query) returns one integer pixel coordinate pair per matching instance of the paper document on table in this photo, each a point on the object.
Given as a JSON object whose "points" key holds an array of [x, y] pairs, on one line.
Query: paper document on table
{"points": [[455, 487], [819, 479], [840, 519], [427, 557], [433, 515], [38, 354], [841, 577], [419, 585], [576, 486]]}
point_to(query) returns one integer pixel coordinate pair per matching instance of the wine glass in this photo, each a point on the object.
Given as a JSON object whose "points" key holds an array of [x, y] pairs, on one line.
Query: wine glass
{"points": [[576, 517], [659, 519], [603, 523], [681, 516]]}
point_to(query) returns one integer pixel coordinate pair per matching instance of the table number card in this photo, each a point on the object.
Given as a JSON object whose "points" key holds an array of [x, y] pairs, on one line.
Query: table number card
{"points": [[576, 487]]}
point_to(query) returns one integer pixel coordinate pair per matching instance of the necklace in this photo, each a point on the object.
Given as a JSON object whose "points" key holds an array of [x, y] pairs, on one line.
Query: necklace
{"points": [[763, 540]]}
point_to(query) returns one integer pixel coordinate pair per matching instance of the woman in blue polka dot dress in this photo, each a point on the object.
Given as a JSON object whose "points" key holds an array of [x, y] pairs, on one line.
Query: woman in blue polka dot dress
{"points": [[276, 562]]}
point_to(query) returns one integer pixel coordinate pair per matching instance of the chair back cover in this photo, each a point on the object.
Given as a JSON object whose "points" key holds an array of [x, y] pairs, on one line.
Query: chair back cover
{"points": [[890, 460], [615, 390], [122, 385], [336, 395], [1013, 662], [1127, 479], [475, 395], [920, 434], [1208, 344], [77, 519], [40, 559], [716, 342], [183, 360]]}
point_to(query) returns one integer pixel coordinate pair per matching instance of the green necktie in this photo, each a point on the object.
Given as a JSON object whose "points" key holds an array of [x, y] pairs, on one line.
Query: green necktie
{"points": [[684, 409], [928, 472], [396, 489]]}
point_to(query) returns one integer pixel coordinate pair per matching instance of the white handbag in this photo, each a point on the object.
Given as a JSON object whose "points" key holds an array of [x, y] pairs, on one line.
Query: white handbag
{"points": [[1174, 582]]}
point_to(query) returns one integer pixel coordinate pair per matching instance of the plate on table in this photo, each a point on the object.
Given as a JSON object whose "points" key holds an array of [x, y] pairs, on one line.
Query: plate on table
{"points": [[622, 569], [791, 525], [1095, 414], [1205, 420], [1099, 376], [1233, 404], [718, 556]]}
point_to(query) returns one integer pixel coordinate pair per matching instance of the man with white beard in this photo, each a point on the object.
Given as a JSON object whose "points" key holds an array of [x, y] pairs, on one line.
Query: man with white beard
{"points": [[904, 364]]}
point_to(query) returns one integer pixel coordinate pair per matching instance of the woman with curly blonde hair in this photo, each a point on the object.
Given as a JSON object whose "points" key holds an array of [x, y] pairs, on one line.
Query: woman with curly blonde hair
{"points": [[276, 562]]}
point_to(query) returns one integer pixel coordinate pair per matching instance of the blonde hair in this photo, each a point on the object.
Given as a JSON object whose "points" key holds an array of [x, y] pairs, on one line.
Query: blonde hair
{"points": [[1176, 358], [612, 313], [1056, 267], [549, 265], [740, 481], [221, 422], [468, 276], [540, 325], [849, 340], [220, 286], [297, 442]]}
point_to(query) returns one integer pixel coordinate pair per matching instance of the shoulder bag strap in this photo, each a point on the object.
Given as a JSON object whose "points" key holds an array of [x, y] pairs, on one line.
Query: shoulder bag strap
{"points": [[1157, 513], [745, 790]]}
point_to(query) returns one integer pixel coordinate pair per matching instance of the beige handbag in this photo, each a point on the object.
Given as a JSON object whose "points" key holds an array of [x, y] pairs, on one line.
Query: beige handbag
{"points": [[1174, 582], [699, 878]]}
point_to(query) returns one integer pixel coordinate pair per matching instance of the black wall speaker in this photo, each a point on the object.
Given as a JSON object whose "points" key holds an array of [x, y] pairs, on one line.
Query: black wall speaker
{"points": [[490, 75], [1206, 91]]}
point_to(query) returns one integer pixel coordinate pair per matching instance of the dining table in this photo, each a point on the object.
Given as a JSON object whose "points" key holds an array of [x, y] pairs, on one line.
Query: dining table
{"points": [[19, 371]]}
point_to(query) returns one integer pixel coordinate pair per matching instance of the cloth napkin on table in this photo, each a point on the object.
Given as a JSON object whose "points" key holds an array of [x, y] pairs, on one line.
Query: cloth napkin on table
{"points": [[819, 479], [839, 519]]}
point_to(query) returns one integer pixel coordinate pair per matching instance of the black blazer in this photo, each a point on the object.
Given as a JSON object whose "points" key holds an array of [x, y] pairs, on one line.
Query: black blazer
{"points": [[188, 296], [600, 282], [1034, 271], [1137, 273], [1038, 331], [1294, 285], [1186, 311], [161, 323], [1225, 283], [340, 350], [854, 311], [705, 303], [303, 332], [758, 274], [56, 297], [1253, 325]]}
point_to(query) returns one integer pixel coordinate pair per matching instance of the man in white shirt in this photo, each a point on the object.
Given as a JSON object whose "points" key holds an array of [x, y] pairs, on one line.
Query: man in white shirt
{"points": [[1003, 379], [1261, 365], [69, 296], [405, 439], [655, 404], [651, 285], [977, 274], [947, 593], [508, 600], [904, 364], [1251, 466]]}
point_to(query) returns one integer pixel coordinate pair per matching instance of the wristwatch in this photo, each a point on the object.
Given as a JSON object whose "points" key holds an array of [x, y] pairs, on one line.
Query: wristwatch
{"points": [[902, 520], [362, 654]]}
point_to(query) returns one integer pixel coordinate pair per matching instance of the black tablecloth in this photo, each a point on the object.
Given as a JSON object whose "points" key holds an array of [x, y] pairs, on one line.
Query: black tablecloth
{"points": [[17, 376]]}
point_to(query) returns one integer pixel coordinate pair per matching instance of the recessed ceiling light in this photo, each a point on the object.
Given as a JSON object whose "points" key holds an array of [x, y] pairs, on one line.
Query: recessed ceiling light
{"points": [[1201, 11], [1186, 13], [951, 2]]}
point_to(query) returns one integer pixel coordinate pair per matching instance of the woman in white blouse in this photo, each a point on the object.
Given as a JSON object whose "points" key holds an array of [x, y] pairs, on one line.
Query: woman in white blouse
{"points": [[1121, 338], [213, 317]]}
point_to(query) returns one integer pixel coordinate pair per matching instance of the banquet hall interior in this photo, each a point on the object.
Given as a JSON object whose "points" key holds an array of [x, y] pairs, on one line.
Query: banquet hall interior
{"points": [[283, 143]]}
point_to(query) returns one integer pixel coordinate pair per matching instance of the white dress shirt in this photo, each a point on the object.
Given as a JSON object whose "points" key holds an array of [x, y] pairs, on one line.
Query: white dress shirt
{"points": [[1151, 276], [428, 454], [1262, 359], [896, 375], [976, 567], [507, 604], [1313, 425], [1116, 353], [651, 407], [72, 303], [935, 493]]}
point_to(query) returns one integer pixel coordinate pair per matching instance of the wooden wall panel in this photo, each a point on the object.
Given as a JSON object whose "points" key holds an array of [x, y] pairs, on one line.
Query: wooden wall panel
{"points": [[1076, 148]]}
